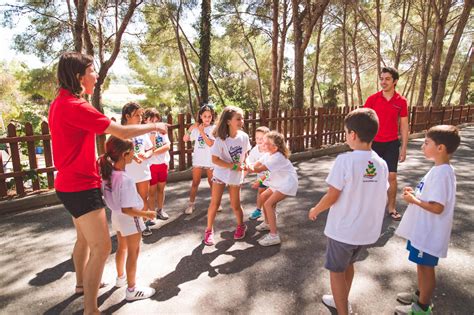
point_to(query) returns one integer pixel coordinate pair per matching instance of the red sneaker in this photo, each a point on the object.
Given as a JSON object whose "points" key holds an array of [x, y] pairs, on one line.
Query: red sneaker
{"points": [[209, 237], [240, 232]]}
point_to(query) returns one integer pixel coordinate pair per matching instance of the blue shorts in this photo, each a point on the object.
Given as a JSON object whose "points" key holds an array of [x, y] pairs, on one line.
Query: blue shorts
{"points": [[420, 258]]}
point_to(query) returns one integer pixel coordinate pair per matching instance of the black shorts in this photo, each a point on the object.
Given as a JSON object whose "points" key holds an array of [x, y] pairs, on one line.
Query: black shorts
{"points": [[81, 202], [390, 152]]}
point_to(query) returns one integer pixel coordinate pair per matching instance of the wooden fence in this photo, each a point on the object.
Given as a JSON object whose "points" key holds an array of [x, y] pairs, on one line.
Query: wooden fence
{"points": [[303, 130]]}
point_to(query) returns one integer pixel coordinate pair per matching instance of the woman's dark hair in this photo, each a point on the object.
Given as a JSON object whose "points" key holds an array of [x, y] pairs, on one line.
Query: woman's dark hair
{"points": [[206, 108], [114, 149], [150, 113], [222, 129], [71, 64], [128, 109]]}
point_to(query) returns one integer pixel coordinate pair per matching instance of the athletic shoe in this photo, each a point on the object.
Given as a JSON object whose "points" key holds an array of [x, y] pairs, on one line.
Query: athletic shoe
{"points": [[209, 237], [270, 239], [121, 281], [139, 293], [256, 214], [190, 208], [408, 298], [150, 223], [413, 309], [240, 231], [220, 208], [162, 215], [147, 231], [328, 300], [263, 227]]}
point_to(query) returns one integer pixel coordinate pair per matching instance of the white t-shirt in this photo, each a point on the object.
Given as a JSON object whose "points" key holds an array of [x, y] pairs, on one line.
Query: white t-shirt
{"points": [[254, 156], [283, 177], [356, 217], [231, 150], [202, 152], [160, 140], [122, 193], [429, 232], [140, 172]]}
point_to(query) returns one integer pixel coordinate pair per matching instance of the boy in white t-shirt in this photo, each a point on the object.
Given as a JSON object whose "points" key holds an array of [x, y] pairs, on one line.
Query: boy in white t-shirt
{"points": [[357, 195], [428, 219], [255, 154]]}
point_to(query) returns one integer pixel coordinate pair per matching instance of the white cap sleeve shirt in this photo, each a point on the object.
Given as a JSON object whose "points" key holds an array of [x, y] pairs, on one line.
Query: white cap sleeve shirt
{"points": [[202, 152], [231, 150], [430, 232], [160, 140], [140, 172], [254, 156], [283, 177], [356, 217]]}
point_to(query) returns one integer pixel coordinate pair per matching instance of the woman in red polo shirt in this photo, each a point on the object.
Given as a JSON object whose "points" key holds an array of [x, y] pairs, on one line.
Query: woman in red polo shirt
{"points": [[74, 123]]}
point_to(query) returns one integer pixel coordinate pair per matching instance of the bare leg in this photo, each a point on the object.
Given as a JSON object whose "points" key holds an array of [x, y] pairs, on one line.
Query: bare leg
{"points": [[161, 195], [392, 191], [216, 196], [195, 184], [93, 226], [133, 244], [209, 176], [259, 201], [80, 257], [234, 194], [269, 208], [152, 197], [426, 283], [120, 255], [340, 292]]}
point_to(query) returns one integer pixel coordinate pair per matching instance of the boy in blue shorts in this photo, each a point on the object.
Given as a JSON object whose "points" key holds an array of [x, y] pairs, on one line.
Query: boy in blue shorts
{"points": [[357, 195], [428, 219]]}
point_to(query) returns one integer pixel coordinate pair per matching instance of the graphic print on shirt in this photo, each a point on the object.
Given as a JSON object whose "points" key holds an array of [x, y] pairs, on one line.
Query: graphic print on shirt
{"points": [[419, 187], [201, 141], [159, 141], [138, 143], [370, 171], [235, 153]]}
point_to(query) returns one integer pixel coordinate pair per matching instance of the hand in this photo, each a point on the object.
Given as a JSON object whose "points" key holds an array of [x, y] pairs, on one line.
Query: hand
{"points": [[137, 159], [150, 215], [408, 196], [250, 168], [162, 127], [142, 156], [148, 154], [186, 138], [313, 215], [201, 128], [255, 184], [403, 155], [409, 189]]}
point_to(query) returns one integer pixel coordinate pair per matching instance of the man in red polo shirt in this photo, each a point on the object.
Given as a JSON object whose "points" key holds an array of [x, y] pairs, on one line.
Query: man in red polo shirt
{"points": [[391, 108]]}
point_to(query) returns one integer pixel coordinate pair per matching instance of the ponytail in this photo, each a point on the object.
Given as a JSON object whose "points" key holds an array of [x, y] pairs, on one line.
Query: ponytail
{"points": [[114, 149], [105, 166]]}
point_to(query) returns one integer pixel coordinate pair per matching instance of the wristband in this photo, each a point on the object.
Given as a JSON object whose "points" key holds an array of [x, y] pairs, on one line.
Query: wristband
{"points": [[260, 181], [235, 167]]}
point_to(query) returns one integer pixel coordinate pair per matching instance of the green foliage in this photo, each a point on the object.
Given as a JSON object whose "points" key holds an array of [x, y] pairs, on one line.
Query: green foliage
{"points": [[331, 95]]}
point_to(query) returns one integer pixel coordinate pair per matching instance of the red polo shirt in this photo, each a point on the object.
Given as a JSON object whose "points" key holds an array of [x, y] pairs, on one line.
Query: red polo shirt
{"points": [[73, 124], [388, 112]]}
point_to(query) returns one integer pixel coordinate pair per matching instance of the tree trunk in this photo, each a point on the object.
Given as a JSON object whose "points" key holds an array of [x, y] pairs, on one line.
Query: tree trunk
{"points": [[281, 49], [275, 36], [81, 7], [452, 52], [356, 59], [316, 63], [205, 46], [467, 77], [377, 30], [405, 15], [344, 54], [425, 60]]}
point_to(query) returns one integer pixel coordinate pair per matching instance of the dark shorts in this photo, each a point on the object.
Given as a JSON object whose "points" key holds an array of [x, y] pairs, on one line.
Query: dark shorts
{"points": [[81, 202], [421, 258], [340, 255], [389, 151], [159, 173]]}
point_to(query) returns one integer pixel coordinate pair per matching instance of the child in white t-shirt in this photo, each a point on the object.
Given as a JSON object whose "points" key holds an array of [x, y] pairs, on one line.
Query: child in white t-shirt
{"points": [[357, 196], [158, 167], [428, 220], [282, 182], [255, 154], [228, 155], [139, 169], [201, 134], [121, 197]]}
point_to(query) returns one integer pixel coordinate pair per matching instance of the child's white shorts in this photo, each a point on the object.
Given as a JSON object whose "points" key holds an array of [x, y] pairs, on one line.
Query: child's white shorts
{"points": [[127, 225]]}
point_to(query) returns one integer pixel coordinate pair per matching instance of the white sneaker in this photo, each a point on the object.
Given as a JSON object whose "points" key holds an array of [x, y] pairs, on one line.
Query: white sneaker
{"points": [[121, 281], [328, 300], [190, 208], [219, 209], [139, 293], [263, 227], [270, 239]]}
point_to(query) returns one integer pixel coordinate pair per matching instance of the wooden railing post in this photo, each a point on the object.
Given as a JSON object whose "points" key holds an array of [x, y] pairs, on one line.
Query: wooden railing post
{"points": [[32, 155], [3, 183], [48, 154], [169, 120], [16, 161], [412, 119], [181, 147], [319, 128], [188, 145]]}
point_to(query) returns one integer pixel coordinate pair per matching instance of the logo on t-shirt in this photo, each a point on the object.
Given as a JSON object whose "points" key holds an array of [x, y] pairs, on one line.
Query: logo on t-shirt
{"points": [[138, 143], [370, 171], [159, 142], [201, 141], [235, 153], [419, 187]]}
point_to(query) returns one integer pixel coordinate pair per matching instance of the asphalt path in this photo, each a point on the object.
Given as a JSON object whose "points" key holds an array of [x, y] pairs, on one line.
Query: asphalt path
{"points": [[240, 277]]}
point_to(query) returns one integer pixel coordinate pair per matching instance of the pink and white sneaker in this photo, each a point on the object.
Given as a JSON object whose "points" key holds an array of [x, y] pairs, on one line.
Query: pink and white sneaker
{"points": [[209, 237], [240, 232]]}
